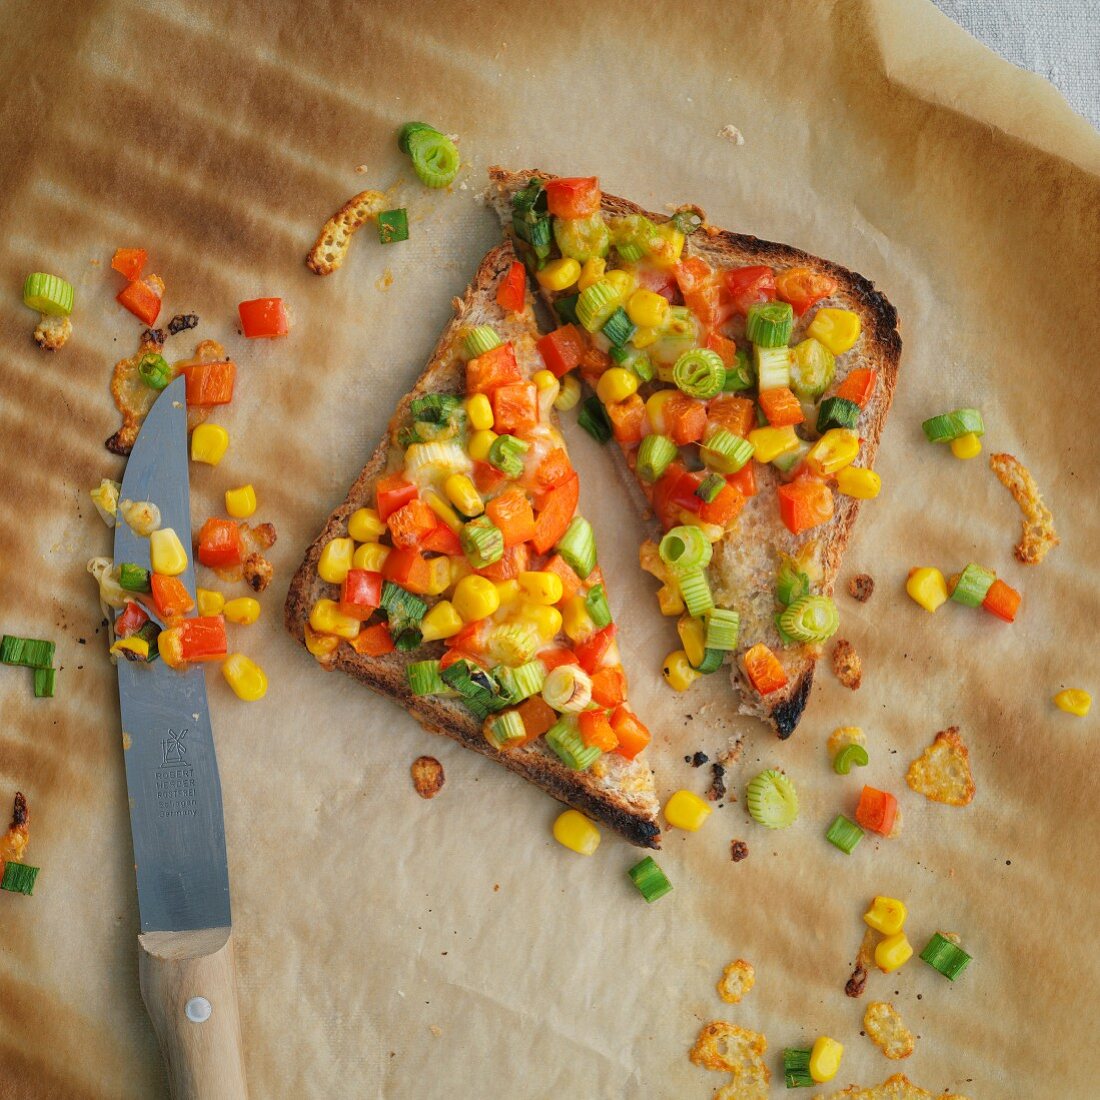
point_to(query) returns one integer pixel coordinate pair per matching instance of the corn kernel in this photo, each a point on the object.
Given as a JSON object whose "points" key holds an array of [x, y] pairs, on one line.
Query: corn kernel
{"points": [[1073, 701], [320, 645], [475, 598], [370, 556], [544, 380], [622, 282], [655, 409], [645, 336], [460, 567], [209, 601], [693, 638], [670, 245], [559, 274], [133, 644], [442, 621], [480, 412], [569, 394], [892, 952], [242, 610], [336, 559], [835, 450], [855, 481], [927, 587], [542, 586], [546, 620], [669, 600], [439, 576], [326, 618], [463, 494], [240, 503], [208, 444], [772, 442], [166, 552], [365, 526], [886, 915], [686, 810], [678, 672], [245, 677], [615, 385], [825, 1059], [479, 445], [573, 830], [647, 308], [966, 446], [591, 272], [576, 622], [442, 509], [837, 329], [508, 591]]}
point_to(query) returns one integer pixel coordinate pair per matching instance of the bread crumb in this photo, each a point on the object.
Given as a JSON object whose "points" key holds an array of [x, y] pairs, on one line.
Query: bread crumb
{"points": [[847, 666], [861, 587], [737, 979], [427, 775], [361, 169], [52, 333], [739, 850], [1038, 533], [732, 134], [942, 772], [886, 1029]]}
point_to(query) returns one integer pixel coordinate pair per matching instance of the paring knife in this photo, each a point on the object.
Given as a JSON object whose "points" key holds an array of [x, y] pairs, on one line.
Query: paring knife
{"points": [[186, 954]]}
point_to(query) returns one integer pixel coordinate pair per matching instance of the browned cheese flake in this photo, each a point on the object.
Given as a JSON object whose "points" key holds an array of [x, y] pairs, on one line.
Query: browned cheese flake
{"points": [[942, 772], [427, 776], [331, 247], [1038, 533]]}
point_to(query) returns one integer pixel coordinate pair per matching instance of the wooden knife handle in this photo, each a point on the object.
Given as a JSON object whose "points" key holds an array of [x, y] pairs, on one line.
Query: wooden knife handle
{"points": [[190, 992]]}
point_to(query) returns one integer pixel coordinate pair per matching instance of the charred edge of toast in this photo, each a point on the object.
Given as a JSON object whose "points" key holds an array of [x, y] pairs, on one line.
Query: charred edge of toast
{"points": [[387, 675], [787, 714]]}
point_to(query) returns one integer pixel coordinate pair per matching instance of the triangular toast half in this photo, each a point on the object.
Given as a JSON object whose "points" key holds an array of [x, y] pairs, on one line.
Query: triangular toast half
{"points": [[408, 521], [710, 279]]}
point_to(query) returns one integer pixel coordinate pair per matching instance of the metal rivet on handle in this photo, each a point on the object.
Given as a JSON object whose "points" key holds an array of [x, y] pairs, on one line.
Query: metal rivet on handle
{"points": [[197, 1010]]}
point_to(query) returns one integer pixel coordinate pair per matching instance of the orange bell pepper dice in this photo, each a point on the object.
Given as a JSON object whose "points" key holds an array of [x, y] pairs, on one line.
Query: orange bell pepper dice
{"points": [[392, 492], [515, 408], [630, 730], [510, 293], [141, 300], [858, 386], [411, 523], [511, 511], [781, 407], [805, 503], [129, 262], [877, 810], [210, 383], [1002, 600], [575, 197], [764, 670], [170, 597], [508, 568], [220, 543], [596, 730], [556, 514], [497, 367], [373, 641]]}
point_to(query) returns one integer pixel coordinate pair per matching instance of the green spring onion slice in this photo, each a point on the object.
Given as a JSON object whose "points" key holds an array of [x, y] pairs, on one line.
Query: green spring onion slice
{"points": [[952, 425], [796, 1068], [651, 881], [482, 542], [44, 682], [844, 834], [725, 452], [435, 408], [740, 376], [29, 652], [506, 454], [784, 637], [632, 235], [790, 582], [578, 547], [836, 412], [711, 662], [773, 366], [133, 577], [597, 606], [811, 619], [407, 132], [946, 957], [619, 328], [477, 693], [630, 252], [150, 632], [19, 878], [513, 643], [530, 219], [849, 755], [594, 419], [596, 304], [480, 339], [154, 370], [813, 367], [506, 729], [699, 373], [710, 487], [566, 308], [686, 222], [424, 678], [654, 456], [973, 585], [685, 547], [565, 740], [695, 591], [48, 294], [723, 628], [393, 225], [404, 612], [769, 324], [772, 800], [642, 367], [522, 682], [435, 158]]}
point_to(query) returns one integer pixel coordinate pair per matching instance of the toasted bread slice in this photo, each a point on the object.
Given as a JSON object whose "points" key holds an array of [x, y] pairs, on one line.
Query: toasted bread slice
{"points": [[743, 569], [616, 791]]}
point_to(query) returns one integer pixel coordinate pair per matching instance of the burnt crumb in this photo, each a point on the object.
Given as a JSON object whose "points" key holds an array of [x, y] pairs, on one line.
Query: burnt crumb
{"points": [[855, 985], [19, 814], [81, 641], [861, 587], [699, 759], [739, 850], [182, 322], [153, 336], [717, 787]]}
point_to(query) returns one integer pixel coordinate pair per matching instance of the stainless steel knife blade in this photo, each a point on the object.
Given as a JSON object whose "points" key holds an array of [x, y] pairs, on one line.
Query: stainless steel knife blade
{"points": [[171, 769]]}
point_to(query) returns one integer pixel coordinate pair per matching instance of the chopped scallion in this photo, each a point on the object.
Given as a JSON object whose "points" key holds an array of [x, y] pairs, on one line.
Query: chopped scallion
{"points": [[773, 366], [594, 419], [424, 678], [844, 834], [407, 132], [946, 957], [393, 225], [685, 547], [435, 157], [811, 619], [695, 591], [651, 881], [19, 878], [849, 755], [404, 612], [530, 219], [154, 370], [769, 324], [150, 632], [506, 729], [973, 585], [566, 308], [596, 605], [619, 328], [506, 454], [133, 577], [726, 452], [772, 800], [597, 302], [711, 662], [29, 652], [740, 376], [723, 628], [796, 1068], [654, 456], [578, 547], [699, 373], [522, 682], [953, 425], [44, 682], [480, 339], [482, 542], [48, 294], [434, 408], [836, 412], [710, 487], [790, 582], [565, 740]]}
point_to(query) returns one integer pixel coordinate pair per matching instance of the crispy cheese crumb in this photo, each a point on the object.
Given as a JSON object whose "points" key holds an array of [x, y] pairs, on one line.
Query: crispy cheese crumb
{"points": [[331, 246], [427, 776], [740, 1053], [843, 736], [886, 1029], [942, 772], [732, 134], [53, 333], [898, 1087], [1038, 533], [847, 665], [737, 979]]}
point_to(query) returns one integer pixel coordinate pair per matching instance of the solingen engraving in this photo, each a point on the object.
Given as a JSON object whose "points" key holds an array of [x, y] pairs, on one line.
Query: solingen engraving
{"points": [[175, 778]]}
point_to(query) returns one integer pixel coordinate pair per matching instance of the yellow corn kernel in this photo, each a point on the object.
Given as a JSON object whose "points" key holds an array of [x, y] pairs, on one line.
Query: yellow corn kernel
{"points": [[559, 274], [479, 444], [133, 644], [245, 677], [693, 638], [463, 494], [686, 810], [837, 329], [825, 1059], [508, 591], [927, 587], [678, 671], [209, 601], [621, 281], [541, 586], [475, 598], [442, 509], [370, 556], [591, 272], [892, 952], [886, 915], [772, 442], [460, 568], [242, 610], [1073, 701], [439, 576], [576, 622], [546, 620], [326, 618], [855, 481], [669, 242], [365, 526], [335, 561], [544, 380], [240, 503], [647, 308], [208, 444], [320, 645], [166, 552], [615, 385], [835, 450], [966, 446], [669, 600], [442, 621], [573, 830], [655, 409], [569, 394], [480, 412], [645, 336]]}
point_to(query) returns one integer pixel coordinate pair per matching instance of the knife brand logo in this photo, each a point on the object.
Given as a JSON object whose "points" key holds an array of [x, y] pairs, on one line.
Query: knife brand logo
{"points": [[173, 750], [175, 778]]}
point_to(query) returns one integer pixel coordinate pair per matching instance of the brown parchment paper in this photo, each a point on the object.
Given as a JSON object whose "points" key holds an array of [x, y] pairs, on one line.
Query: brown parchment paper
{"points": [[390, 947]]}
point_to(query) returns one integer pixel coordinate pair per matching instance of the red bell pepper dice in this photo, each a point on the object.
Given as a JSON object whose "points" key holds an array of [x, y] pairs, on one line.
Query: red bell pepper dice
{"points": [[361, 593], [210, 383], [391, 493], [590, 653], [442, 540], [203, 639], [170, 597], [748, 285], [877, 810], [510, 293], [141, 300], [805, 503], [556, 514], [131, 620], [576, 197], [562, 350], [264, 317], [220, 543], [802, 287], [858, 386], [129, 262], [373, 641]]}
